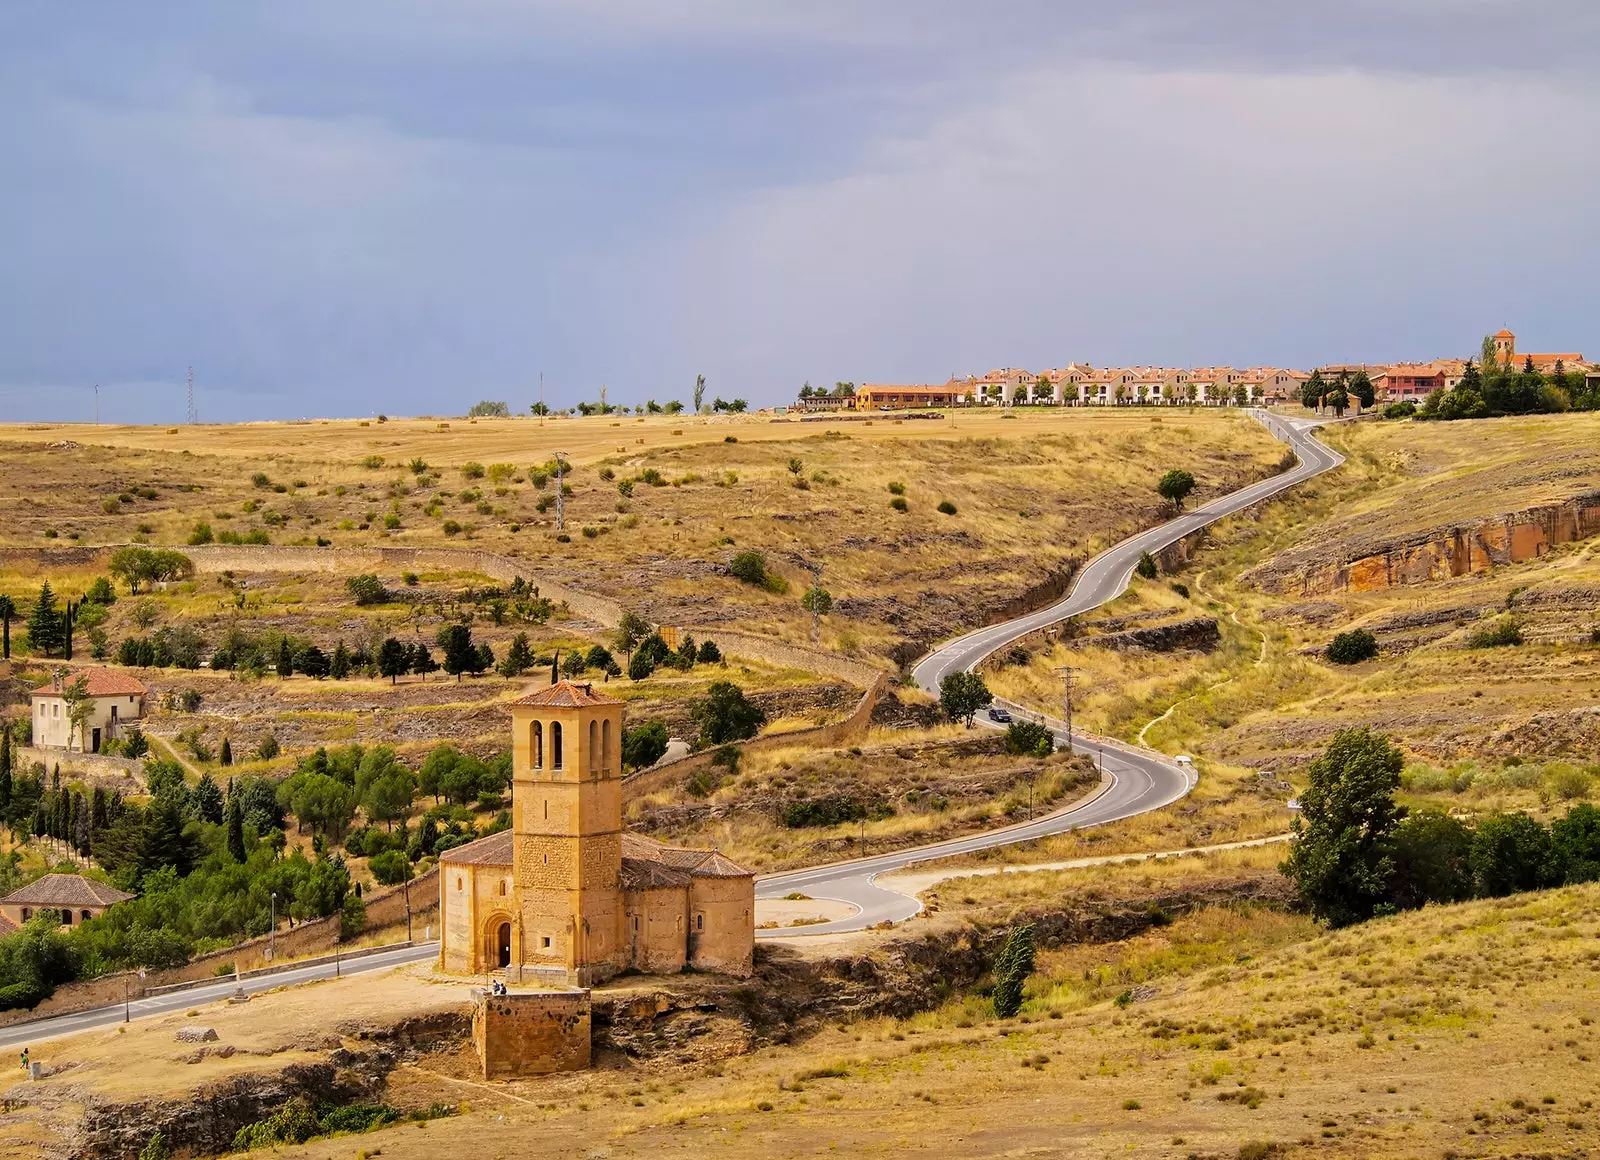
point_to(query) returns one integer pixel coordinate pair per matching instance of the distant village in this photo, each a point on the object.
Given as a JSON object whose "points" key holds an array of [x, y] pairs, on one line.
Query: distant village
{"points": [[1081, 385]]}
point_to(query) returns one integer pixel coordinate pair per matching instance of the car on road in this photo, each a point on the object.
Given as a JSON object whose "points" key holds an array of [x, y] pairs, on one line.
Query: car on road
{"points": [[1000, 715]]}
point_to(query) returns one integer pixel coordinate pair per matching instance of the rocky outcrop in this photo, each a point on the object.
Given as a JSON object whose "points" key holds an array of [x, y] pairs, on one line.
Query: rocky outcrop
{"points": [[1369, 564], [1198, 634]]}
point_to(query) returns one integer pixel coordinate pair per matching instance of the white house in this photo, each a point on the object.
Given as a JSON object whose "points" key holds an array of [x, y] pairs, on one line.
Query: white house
{"points": [[116, 698]]}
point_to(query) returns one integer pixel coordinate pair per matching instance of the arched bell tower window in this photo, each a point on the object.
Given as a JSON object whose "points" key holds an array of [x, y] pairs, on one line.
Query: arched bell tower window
{"points": [[536, 746], [555, 745]]}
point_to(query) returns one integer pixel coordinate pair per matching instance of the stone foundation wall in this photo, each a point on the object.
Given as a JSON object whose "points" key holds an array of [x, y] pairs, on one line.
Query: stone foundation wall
{"points": [[530, 1033]]}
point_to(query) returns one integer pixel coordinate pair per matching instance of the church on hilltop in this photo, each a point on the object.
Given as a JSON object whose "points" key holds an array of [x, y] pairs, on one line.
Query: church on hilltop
{"points": [[566, 896]]}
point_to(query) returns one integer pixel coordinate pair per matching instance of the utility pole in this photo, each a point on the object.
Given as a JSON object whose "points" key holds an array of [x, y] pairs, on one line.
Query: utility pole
{"points": [[97, 404], [561, 502], [191, 395], [1066, 700], [542, 407]]}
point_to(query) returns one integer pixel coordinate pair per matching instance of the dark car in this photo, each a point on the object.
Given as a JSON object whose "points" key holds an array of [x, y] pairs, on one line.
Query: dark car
{"points": [[1000, 715]]}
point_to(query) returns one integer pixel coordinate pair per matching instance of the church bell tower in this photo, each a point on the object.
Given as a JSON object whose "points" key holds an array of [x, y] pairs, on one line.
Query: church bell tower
{"points": [[566, 820]]}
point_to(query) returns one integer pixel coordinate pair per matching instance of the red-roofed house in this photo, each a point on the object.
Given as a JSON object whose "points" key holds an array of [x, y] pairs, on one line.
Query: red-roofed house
{"points": [[116, 698]]}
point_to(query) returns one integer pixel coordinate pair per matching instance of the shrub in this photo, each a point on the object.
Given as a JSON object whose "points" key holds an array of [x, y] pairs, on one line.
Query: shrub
{"points": [[1146, 566], [1503, 632], [643, 745], [947, 507], [1353, 647], [1512, 852], [372, 462], [201, 534], [724, 715], [899, 504], [897, 488], [751, 567], [472, 470], [1404, 409], [1012, 966], [824, 811], [390, 867], [1030, 739], [367, 589], [709, 653]]}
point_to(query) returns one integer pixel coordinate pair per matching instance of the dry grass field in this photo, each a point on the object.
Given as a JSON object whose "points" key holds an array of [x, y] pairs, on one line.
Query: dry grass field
{"points": [[1031, 492], [1232, 1031]]}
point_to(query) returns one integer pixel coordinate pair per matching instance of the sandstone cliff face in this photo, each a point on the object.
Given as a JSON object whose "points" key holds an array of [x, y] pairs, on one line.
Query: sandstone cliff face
{"points": [[1436, 554], [1200, 633]]}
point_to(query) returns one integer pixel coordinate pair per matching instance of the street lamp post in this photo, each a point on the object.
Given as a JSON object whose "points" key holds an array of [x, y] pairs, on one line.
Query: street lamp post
{"points": [[272, 929], [408, 911], [336, 956]]}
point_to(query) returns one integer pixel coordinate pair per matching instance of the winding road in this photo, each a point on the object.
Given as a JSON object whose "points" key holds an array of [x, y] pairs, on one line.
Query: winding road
{"points": [[1136, 781]]}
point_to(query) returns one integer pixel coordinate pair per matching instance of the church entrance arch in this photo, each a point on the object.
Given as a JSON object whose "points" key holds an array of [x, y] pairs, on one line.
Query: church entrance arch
{"points": [[503, 945]]}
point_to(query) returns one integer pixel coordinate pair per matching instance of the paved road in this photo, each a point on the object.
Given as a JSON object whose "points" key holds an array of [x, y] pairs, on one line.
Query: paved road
{"points": [[1140, 780], [59, 1025]]}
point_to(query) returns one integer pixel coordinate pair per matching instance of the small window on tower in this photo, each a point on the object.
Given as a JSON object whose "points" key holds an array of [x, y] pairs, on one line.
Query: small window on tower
{"points": [[545, 942]]}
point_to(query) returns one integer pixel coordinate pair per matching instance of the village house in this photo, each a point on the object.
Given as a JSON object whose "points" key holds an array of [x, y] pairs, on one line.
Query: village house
{"points": [[884, 397], [567, 896], [115, 699], [75, 897]]}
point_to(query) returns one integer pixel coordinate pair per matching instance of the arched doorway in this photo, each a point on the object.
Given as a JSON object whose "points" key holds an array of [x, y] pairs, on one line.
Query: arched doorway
{"points": [[503, 945]]}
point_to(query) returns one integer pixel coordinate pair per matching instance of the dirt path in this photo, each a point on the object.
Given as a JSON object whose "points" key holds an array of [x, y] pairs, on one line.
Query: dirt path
{"points": [[189, 767]]}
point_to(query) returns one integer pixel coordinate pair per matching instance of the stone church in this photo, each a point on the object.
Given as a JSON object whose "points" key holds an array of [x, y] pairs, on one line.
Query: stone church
{"points": [[566, 897]]}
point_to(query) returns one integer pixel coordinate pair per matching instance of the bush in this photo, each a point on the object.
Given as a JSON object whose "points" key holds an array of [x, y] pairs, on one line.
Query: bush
{"points": [[947, 507], [1146, 566], [1503, 632], [709, 653], [390, 867], [897, 488], [824, 811], [643, 745], [1512, 852], [899, 504], [367, 589], [725, 715], [1404, 409], [1029, 739], [1353, 647], [751, 567]]}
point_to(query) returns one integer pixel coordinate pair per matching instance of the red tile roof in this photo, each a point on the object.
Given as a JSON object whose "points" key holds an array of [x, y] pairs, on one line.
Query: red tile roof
{"points": [[65, 890], [1504, 334], [100, 683], [566, 695], [495, 850]]}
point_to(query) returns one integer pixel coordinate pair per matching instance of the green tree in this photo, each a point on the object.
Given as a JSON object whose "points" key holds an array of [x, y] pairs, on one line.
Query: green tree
{"points": [[519, 657], [1432, 860], [367, 589], [8, 612], [1341, 856], [460, 654], [749, 566], [235, 827], [225, 755], [1576, 840], [388, 799], [1146, 567], [394, 659], [1512, 852], [724, 715], [439, 762], [1175, 486], [5, 766], [1312, 390], [339, 667], [699, 392], [268, 748], [643, 745], [631, 629], [46, 632], [312, 662], [1012, 966], [322, 803], [1361, 388], [390, 867], [206, 800], [285, 659], [1029, 739], [961, 695]]}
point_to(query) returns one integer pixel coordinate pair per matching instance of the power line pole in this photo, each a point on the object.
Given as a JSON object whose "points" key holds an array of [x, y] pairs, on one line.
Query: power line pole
{"points": [[191, 395], [542, 407], [97, 404], [1066, 700]]}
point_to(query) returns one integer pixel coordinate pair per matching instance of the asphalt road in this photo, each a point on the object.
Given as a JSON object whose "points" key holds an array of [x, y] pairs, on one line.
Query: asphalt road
{"points": [[56, 1026], [1140, 780]]}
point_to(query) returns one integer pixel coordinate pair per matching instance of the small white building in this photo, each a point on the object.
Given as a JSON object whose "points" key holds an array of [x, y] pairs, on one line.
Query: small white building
{"points": [[117, 699]]}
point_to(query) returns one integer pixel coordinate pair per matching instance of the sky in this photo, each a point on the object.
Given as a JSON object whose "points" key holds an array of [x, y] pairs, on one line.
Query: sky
{"points": [[407, 206]]}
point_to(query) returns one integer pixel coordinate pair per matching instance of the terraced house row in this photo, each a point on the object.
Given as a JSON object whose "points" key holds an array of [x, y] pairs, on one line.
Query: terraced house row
{"points": [[1080, 385]]}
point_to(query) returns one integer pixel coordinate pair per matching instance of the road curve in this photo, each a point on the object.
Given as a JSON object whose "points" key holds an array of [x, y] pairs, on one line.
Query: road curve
{"points": [[1136, 780], [55, 1026]]}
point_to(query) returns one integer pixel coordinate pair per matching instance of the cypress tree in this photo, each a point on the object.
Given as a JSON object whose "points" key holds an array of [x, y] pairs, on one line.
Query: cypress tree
{"points": [[5, 764], [7, 611], [226, 754], [339, 667], [235, 829], [1012, 966], [285, 659]]}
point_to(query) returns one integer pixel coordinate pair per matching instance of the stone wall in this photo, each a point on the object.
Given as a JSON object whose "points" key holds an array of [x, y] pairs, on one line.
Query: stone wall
{"points": [[119, 773], [1197, 633], [771, 651], [530, 1033], [1436, 554], [829, 736]]}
